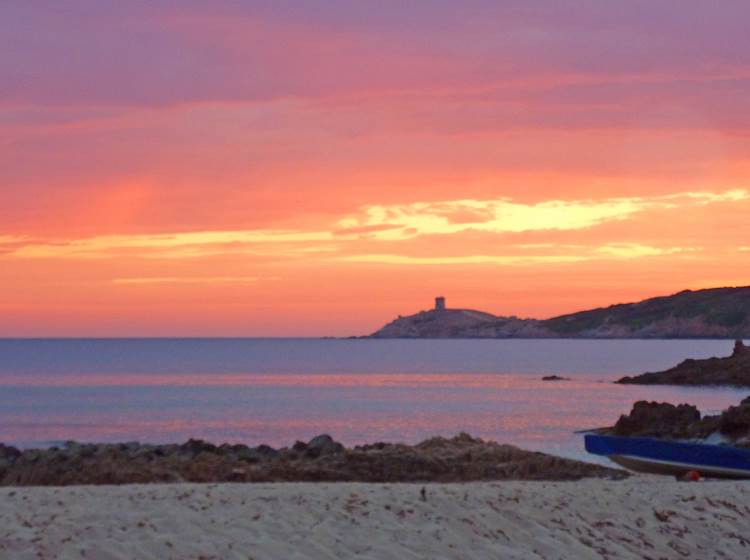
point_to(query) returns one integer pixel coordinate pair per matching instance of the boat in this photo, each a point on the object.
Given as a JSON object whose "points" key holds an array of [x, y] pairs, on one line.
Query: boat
{"points": [[660, 456]]}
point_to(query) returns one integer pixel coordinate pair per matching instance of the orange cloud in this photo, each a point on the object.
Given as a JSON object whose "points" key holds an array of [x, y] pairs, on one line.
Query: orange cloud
{"points": [[350, 238], [504, 215]]}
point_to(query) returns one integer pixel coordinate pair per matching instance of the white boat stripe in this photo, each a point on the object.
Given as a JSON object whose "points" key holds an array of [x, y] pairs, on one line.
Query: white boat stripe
{"points": [[689, 466]]}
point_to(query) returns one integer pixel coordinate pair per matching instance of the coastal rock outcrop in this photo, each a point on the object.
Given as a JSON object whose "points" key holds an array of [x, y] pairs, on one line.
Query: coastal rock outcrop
{"points": [[323, 445], [657, 419], [735, 421], [460, 323], [668, 421], [8, 454], [458, 459], [732, 370]]}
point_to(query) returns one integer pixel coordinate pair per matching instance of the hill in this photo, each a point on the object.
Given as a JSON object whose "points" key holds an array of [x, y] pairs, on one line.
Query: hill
{"points": [[458, 323], [711, 313]]}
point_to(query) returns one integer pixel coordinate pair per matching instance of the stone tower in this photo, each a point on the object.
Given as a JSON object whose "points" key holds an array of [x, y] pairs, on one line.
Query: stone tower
{"points": [[439, 303]]}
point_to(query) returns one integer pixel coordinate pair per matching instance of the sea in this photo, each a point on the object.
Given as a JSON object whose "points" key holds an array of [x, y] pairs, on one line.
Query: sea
{"points": [[277, 391]]}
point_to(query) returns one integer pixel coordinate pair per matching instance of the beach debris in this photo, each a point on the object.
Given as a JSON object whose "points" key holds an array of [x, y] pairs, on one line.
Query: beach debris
{"points": [[690, 476], [664, 515]]}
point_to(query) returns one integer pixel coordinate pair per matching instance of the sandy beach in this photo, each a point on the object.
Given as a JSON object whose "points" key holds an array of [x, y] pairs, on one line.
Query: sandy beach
{"points": [[643, 517]]}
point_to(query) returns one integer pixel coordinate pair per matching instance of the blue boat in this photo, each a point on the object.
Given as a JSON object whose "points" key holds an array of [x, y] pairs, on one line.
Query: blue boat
{"points": [[660, 456]]}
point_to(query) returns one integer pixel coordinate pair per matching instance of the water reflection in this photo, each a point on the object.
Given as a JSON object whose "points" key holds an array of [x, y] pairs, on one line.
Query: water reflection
{"points": [[354, 408]]}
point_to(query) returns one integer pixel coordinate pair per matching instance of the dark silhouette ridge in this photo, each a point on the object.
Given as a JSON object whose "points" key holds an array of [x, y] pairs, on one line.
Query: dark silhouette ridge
{"points": [[732, 370], [710, 313]]}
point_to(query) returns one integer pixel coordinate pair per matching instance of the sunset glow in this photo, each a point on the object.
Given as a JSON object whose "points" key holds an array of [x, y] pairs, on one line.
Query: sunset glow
{"points": [[294, 168]]}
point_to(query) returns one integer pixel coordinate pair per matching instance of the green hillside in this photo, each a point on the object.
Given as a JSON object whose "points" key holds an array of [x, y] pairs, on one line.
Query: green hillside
{"points": [[720, 312]]}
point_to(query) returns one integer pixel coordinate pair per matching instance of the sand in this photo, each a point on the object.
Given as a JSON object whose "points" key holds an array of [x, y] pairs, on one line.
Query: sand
{"points": [[643, 517]]}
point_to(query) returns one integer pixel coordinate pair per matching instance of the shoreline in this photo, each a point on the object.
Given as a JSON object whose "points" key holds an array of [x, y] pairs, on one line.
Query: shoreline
{"points": [[635, 518]]}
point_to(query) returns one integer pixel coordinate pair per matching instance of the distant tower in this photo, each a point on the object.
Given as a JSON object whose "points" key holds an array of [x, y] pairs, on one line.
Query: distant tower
{"points": [[439, 303]]}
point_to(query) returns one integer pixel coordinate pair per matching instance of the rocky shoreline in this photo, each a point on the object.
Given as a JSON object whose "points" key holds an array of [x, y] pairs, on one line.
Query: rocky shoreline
{"points": [[732, 370], [458, 459]]}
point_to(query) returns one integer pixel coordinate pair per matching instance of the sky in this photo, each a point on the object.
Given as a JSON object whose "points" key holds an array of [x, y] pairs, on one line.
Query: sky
{"points": [[286, 168]]}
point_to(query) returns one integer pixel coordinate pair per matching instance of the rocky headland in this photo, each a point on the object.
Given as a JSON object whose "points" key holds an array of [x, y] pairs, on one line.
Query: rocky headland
{"points": [[460, 323], [711, 313], [458, 459], [684, 421], [732, 370]]}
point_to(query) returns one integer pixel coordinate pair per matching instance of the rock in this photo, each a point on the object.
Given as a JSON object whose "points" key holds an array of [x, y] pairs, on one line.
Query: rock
{"points": [[266, 451], [165, 450], [254, 454], [32, 455], [664, 420], [323, 445], [555, 378], [462, 440], [129, 446], [193, 447], [227, 449], [87, 450], [657, 419], [238, 474], [9, 454], [143, 453], [458, 459], [732, 370], [735, 421]]}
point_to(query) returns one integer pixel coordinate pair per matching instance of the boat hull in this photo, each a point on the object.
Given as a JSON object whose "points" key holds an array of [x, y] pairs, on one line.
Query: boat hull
{"points": [[669, 457]]}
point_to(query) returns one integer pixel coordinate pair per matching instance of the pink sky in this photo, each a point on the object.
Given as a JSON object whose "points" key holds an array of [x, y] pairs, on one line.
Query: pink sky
{"points": [[287, 168]]}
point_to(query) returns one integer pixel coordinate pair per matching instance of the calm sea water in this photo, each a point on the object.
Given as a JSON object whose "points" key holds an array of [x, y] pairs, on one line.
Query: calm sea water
{"points": [[276, 391]]}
